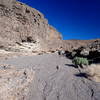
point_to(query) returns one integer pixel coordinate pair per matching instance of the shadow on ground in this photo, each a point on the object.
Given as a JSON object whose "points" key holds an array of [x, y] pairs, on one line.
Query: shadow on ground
{"points": [[81, 75], [70, 65]]}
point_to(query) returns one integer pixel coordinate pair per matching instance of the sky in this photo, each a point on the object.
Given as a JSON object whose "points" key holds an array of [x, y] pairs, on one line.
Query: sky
{"points": [[74, 19]]}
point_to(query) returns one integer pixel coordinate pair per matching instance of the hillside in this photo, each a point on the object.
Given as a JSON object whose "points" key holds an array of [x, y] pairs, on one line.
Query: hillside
{"points": [[20, 23]]}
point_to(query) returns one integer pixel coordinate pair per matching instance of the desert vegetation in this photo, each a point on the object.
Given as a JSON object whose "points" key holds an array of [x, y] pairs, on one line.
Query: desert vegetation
{"points": [[93, 72], [80, 61]]}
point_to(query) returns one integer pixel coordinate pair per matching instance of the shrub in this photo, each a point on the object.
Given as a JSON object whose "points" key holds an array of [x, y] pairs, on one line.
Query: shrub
{"points": [[79, 61]]}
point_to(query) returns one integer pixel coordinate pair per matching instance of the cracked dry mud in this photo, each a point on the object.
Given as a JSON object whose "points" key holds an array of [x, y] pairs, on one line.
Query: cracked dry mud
{"points": [[56, 79]]}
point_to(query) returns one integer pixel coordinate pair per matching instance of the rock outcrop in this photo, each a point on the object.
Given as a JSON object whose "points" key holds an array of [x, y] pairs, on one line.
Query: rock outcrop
{"points": [[90, 51], [7, 3], [81, 47], [70, 45], [15, 84], [21, 23]]}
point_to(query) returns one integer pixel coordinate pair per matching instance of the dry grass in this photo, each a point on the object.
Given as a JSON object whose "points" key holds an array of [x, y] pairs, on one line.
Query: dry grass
{"points": [[93, 72]]}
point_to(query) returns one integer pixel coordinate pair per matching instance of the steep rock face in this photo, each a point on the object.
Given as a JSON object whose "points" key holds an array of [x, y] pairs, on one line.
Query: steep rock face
{"points": [[7, 3], [21, 23]]}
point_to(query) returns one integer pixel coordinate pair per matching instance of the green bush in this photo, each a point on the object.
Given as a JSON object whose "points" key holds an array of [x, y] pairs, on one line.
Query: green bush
{"points": [[79, 61]]}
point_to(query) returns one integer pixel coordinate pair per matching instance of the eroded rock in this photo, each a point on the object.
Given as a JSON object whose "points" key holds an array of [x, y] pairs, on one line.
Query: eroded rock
{"points": [[21, 23], [7, 3], [15, 83]]}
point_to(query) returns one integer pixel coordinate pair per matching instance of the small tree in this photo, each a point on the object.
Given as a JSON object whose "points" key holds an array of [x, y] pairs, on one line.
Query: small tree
{"points": [[79, 61]]}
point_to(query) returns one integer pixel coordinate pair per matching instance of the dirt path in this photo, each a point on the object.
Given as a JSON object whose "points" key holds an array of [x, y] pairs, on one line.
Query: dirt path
{"points": [[56, 78]]}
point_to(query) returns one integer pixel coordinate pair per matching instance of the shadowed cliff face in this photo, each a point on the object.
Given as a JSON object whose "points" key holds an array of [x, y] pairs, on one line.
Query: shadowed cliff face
{"points": [[21, 23]]}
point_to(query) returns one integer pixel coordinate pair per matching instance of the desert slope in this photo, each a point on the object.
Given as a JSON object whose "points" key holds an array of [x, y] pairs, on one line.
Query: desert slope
{"points": [[55, 79]]}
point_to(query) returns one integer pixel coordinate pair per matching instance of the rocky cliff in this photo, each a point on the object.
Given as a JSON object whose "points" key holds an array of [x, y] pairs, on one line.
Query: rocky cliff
{"points": [[90, 51], [25, 29], [20, 23]]}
